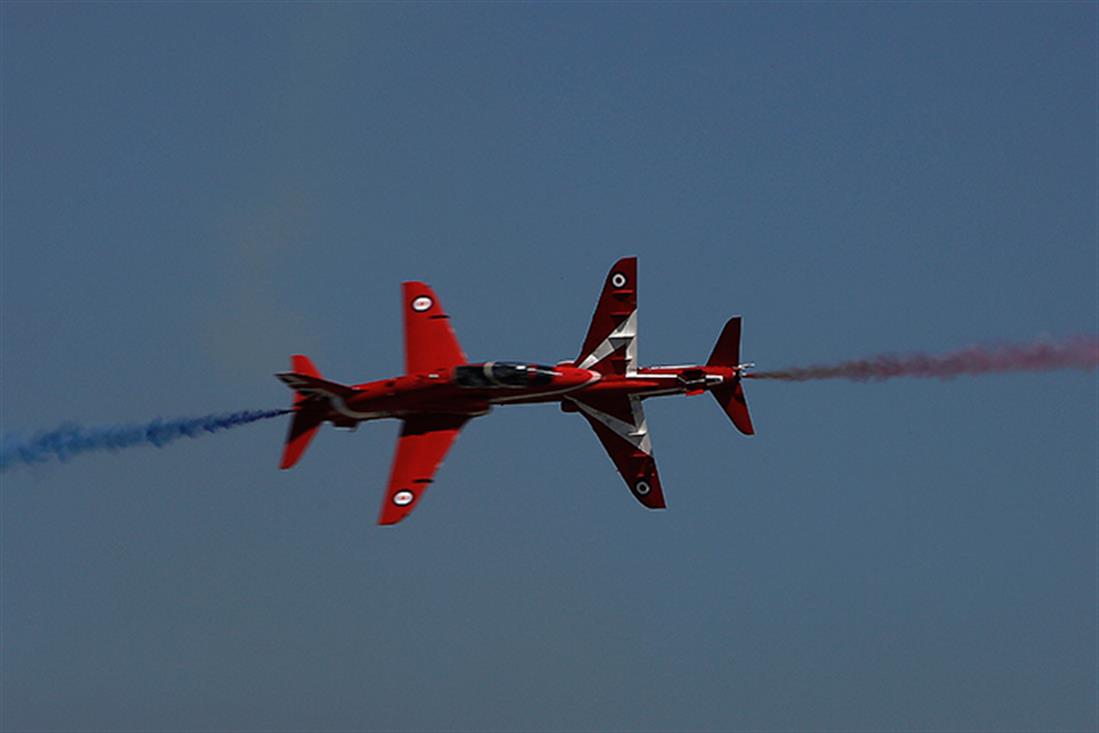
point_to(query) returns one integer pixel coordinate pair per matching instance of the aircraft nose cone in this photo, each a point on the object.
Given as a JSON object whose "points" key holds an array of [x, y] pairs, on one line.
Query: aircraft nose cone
{"points": [[573, 377]]}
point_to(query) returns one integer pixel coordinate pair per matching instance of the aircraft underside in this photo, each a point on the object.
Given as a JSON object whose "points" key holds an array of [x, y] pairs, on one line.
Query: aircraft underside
{"points": [[440, 391]]}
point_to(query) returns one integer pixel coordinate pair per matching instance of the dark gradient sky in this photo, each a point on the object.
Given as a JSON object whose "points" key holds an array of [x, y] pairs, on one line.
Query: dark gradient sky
{"points": [[192, 192]]}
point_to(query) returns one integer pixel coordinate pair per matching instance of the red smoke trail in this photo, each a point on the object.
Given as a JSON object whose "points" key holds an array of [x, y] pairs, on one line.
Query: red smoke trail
{"points": [[1076, 353]]}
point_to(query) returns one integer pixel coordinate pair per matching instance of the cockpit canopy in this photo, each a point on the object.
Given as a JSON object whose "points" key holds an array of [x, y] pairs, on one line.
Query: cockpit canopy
{"points": [[502, 374]]}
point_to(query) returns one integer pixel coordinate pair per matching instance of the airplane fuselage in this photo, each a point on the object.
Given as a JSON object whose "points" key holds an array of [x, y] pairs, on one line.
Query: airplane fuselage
{"points": [[441, 391], [449, 391]]}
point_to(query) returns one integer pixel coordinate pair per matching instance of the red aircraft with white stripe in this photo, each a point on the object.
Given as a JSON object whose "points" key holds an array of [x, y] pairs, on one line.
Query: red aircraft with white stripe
{"points": [[440, 391]]}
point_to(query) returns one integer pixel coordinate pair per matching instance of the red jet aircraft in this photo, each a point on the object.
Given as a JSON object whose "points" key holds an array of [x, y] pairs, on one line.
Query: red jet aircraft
{"points": [[441, 391]]}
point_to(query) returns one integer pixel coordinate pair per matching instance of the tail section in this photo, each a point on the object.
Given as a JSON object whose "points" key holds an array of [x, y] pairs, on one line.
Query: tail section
{"points": [[310, 405], [727, 349], [302, 429], [299, 365], [731, 399], [730, 396]]}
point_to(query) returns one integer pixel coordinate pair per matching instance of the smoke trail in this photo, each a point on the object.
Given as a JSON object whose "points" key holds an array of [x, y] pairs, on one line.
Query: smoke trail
{"points": [[1076, 353], [69, 440]]}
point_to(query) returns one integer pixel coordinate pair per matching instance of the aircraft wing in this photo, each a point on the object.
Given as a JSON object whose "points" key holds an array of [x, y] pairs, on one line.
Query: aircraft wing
{"points": [[619, 423], [611, 344], [421, 447], [429, 341]]}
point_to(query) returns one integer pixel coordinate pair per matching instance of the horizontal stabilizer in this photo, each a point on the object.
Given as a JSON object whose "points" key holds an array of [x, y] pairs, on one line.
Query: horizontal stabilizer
{"points": [[731, 398], [311, 386], [727, 349], [303, 427], [311, 395], [304, 365]]}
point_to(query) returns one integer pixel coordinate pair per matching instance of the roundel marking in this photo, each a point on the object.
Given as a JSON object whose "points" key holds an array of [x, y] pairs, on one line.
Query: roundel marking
{"points": [[642, 488], [421, 304], [403, 497], [618, 280]]}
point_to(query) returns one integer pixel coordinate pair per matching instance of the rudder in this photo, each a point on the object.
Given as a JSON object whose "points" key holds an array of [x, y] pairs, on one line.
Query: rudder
{"points": [[730, 396]]}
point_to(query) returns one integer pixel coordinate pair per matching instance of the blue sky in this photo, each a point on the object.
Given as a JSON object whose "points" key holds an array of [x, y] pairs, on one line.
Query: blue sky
{"points": [[192, 192]]}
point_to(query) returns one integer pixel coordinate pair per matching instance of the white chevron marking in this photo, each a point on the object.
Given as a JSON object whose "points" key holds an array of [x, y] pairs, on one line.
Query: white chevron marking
{"points": [[637, 434], [625, 334]]}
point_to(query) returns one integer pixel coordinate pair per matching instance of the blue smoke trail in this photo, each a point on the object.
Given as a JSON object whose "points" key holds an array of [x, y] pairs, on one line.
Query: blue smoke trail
{"points": [[70, 440]]}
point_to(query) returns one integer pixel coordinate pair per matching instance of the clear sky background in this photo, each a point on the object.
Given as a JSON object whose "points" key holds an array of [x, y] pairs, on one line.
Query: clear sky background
{"points": [[192, 192]]}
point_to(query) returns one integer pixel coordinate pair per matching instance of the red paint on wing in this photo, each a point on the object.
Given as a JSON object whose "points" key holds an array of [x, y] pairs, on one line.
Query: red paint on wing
{"points": [[421, 447], [430, 343], [617, 301]]}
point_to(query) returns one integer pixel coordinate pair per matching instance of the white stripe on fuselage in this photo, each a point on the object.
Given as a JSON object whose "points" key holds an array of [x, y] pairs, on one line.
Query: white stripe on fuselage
{"points": [[517, 398], [341, 407]]}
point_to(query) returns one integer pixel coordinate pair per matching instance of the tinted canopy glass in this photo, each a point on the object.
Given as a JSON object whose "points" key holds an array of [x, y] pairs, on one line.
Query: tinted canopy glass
{"points": [[502, 374]]}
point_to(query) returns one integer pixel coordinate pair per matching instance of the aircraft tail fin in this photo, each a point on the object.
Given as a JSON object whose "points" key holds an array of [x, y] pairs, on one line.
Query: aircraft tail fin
{"points": [[311, 391], [727, 349], [731, 396]]}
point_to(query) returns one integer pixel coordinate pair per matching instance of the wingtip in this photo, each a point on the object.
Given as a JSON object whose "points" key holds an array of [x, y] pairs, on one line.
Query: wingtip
{"points": [[629, 263], [388, 519]]}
